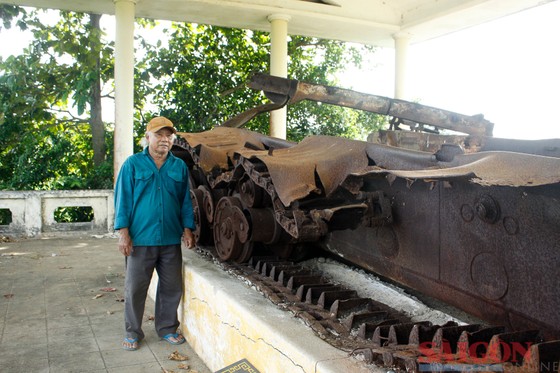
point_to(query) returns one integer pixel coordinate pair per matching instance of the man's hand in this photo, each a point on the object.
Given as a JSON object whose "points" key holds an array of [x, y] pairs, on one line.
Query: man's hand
{"points": [[188, 238], [125, 242]]}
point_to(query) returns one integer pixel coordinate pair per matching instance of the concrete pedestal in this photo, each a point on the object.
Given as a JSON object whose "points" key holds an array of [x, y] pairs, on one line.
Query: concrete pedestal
{"points": [[224, 321]]}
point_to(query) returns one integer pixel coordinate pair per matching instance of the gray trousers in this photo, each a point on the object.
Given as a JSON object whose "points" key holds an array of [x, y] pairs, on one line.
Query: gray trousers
{"points": [[140, 265]]}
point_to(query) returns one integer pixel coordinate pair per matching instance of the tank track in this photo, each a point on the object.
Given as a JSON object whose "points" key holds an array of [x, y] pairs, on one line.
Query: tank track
{"points": [[380, 335], [244, 194]]}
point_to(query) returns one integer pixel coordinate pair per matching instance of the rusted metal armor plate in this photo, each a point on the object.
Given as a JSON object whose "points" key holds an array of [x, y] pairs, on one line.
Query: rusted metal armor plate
{"points": [[293, 168], [218, 146]]}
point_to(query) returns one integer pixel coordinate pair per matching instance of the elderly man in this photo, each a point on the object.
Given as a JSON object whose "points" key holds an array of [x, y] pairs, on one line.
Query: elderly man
{"points": [[153, 211]]}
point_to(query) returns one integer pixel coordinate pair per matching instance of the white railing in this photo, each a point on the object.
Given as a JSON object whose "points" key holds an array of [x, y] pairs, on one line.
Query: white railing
{"points": [[33, 212]]}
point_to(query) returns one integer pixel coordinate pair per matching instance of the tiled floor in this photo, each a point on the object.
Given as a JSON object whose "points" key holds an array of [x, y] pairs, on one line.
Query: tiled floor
{"points": [[55, 317]]}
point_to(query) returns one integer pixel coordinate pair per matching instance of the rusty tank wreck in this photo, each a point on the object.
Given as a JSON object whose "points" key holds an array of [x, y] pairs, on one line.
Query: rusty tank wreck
{"points": [[468, 219]]}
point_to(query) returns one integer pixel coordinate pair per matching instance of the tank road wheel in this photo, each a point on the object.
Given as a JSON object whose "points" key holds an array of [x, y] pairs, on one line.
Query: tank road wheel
{"points": [[269, 231], [251, 194], [246, 252], [207, 203], [201, 233], [231, 230]]}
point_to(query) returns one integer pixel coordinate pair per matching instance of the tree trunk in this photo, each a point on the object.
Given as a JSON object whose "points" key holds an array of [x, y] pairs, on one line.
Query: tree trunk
{"points": [[96, 120]]}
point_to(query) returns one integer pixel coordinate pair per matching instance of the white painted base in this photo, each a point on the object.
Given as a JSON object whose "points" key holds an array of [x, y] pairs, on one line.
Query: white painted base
{"points": [[224, 321]]}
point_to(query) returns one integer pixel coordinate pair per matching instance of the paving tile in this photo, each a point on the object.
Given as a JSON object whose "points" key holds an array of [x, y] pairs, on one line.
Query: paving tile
{"points": [[24, 295], [65, 321], [105, 302], [180, 366], [62, 310], [29, 280], [162, 350], [23, 364], [19, 298], [12, 347], [106, 329], [137, 368], [62, 273], [4, 295], [110, 342], [63, 300], [121, 358], [67, 335], [114, 317], [3, 309], [20, 311], [6, 273], [7, 263], [68, 310], [86, 286], [76, 363], [6, 279], [26, 327], [73, 346], [23, 338], [67, 299], [68, 289], [88, 292], [27, 291]]}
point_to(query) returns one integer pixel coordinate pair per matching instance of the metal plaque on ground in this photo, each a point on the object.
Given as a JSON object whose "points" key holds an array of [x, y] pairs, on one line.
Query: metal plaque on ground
{"points": [[241, 366]]}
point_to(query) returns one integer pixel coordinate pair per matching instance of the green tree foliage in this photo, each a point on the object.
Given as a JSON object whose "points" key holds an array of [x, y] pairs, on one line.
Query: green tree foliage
{"points": [[202, 75], [51, 133], [47, 135]]}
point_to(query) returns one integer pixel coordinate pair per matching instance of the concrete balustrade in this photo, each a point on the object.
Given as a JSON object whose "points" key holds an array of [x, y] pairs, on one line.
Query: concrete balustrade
{"points": [[33, 212]]}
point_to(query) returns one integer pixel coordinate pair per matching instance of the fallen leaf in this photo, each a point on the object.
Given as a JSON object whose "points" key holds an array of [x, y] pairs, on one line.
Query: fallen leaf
{"points": [[108, 290], [8, 296], [5, 239], [110, 312], [183, 366], [151, 318], [177, 356], [119, 299], [97, 296], [64, 267]]}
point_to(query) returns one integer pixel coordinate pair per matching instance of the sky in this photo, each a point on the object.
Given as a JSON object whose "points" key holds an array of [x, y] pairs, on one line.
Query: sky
{"points": [[508, 70]]}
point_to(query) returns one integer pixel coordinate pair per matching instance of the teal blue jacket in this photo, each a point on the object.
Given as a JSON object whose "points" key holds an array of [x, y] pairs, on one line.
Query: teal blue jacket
{"points": [[155, 205]]}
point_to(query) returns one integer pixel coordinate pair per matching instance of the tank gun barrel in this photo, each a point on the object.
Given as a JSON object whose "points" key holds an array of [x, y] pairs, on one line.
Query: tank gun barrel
{"points": [[282, 91]]}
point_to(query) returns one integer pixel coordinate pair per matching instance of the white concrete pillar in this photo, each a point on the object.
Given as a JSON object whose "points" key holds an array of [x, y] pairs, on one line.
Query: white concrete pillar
{"points": [[402, 42], [33, 213], [278, 67], [124, 82]]}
